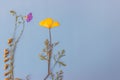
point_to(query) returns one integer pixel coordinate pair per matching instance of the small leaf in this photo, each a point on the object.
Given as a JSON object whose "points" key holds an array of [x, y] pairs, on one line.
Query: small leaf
{"points": [[43, 57], [61, 63], [46, 42], [63, 51], [56, 43], [60, 56], [19, 22], [12, 12]]}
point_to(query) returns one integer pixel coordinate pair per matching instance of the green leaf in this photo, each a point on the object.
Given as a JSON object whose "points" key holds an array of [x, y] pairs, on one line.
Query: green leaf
{"points": [[43, 57], [60, 56], [63, 51], [19, 22], [46, 42], [12, 12], [56, 43], [61, 63]]}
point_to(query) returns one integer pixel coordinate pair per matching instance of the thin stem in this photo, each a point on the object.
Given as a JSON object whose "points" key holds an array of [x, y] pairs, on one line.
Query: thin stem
{"points": [[21, 33], [50, 37], [13, 48], [49, 56], [16, 17]]}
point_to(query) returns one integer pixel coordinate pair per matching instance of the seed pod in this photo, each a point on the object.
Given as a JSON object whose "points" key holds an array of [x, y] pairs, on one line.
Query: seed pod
{"points": [[7, 73], [6, 59], [11, 57], [10, 40], [6, 51], [5, 55], [6, 79], [18, 79], [6, 66]]}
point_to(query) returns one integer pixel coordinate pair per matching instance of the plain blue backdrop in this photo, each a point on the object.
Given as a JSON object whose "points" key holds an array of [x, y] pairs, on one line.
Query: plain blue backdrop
{"points": [[89, 32]]}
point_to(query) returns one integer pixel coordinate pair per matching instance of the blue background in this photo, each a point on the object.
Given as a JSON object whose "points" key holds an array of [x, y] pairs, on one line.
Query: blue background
{"points": [[89, 32]]}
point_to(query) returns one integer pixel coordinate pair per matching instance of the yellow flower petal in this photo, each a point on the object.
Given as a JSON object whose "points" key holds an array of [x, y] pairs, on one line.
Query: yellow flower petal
{"points": [[46, 23], [49, 23], [55, 24]]}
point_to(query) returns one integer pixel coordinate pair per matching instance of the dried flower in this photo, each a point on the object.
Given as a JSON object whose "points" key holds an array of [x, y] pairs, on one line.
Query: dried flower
{"points": [[6, 79], [10, 40], [6, 51], [29, 17], [7, 73], [6, 66], [18, 79], [49, 23], [5, 55], [6, 59]]}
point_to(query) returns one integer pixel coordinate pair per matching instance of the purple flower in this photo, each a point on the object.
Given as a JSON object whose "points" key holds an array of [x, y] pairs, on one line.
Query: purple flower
{"points": [[29, 17]]}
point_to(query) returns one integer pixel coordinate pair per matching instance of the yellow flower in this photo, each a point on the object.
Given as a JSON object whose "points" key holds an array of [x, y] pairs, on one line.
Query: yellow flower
{"points": [[49, 23]]}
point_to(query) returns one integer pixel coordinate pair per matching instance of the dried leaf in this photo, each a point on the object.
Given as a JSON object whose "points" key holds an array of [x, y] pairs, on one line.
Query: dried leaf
{"points": [[7, 73], [6, 59], [56, 43], [46, 42], [63, 51], [10, 40], [43, 57], [12, 12], [6, 79], [6, 66], [6, 51], [61, 63]]}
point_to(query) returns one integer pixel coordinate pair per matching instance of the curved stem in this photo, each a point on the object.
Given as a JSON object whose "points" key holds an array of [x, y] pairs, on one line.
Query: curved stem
{"points": [[15, 28], [13, 48]]}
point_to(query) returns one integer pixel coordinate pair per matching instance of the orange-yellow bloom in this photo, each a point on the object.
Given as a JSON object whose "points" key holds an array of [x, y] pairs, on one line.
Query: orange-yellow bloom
{"points": [[49, 23]]}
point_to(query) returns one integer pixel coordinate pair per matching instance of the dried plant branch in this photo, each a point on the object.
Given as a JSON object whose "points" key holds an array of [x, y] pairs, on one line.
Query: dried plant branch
{"points": [[13, 42]]}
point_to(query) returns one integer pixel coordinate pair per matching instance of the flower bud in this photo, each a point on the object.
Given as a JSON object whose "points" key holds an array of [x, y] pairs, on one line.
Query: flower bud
{"points": [[6, 66], [7, 73], [6, 51], [10, 40], [6, 59], [6, 79]]}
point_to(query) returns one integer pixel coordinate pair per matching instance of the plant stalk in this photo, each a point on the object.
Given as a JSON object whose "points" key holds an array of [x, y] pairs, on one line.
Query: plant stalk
{"points": [[49, 55]]}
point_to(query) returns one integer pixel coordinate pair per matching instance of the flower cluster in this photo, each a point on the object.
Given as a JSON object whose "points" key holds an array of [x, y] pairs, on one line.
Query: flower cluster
{"points": [[7, 59]]}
